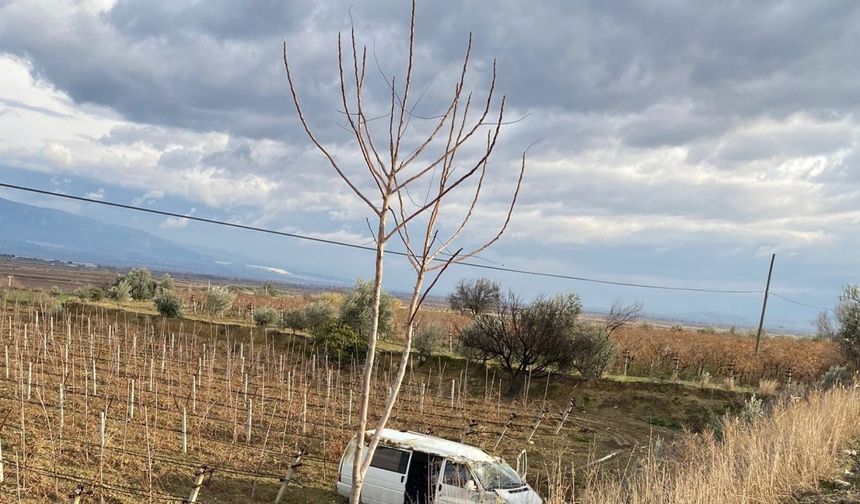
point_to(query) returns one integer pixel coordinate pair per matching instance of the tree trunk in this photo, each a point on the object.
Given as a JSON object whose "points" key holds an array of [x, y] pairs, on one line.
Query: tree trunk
{"points": [[367, 375]]}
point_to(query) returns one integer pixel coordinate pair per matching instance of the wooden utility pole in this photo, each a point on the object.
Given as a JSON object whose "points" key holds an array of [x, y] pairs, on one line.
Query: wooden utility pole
{"points": [[764, 304]]}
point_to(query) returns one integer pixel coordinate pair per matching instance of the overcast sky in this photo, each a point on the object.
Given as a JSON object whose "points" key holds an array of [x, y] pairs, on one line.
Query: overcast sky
{"points": [[681, 142]]}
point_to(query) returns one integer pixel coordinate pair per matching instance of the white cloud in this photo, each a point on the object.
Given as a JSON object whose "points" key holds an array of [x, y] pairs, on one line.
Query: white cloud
{"points": [[98, 195], [58, 154]]}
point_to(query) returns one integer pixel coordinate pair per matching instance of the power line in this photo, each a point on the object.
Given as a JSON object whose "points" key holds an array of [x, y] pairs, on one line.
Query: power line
{"points": [[821, 308], [372, 249]]}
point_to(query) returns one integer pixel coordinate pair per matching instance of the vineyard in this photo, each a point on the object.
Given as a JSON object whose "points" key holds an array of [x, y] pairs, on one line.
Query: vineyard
{"points": [[661, 353], [652, 352], [137, 408]]}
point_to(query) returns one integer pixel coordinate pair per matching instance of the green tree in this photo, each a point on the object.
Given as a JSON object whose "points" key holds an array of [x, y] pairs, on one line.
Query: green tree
{"points": [[294, 319], [140, 282], [268, 289], [120, 292], [848, 321], [318, 313], [593, 350], [168, 304], [340, 341], [218, 300], [265, 316], [428, 340], [357, 309], [167, 282]]}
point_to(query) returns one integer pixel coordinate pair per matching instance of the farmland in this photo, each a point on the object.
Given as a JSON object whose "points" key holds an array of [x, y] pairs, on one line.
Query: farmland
{"points": [[250, 399], [132, 406]]}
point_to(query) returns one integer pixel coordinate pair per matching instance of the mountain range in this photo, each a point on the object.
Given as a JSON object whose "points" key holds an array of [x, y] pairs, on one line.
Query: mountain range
{"points": [[46, 233]]}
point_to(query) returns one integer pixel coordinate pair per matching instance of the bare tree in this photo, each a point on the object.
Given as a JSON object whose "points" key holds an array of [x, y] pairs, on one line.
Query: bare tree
{"points": [[621, 315], [394, 172], [527, 338], [475, 296]]}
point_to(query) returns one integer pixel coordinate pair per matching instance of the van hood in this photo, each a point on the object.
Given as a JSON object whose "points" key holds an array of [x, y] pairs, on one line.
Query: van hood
{"points": [[519, 496]]}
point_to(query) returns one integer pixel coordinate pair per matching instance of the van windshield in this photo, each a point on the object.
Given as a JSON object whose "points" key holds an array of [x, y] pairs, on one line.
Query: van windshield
{"points": [[496, 476]]}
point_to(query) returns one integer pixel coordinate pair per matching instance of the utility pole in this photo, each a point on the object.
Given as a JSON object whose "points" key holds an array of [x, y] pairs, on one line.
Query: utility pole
{"points": [[764, 303]]}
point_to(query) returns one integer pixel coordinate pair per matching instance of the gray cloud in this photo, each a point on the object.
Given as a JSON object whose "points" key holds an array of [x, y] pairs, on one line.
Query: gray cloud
{"points": [[215, 66]]}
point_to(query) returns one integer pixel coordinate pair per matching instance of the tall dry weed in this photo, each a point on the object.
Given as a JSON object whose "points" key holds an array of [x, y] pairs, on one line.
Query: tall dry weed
{"points": [[766, 460]]}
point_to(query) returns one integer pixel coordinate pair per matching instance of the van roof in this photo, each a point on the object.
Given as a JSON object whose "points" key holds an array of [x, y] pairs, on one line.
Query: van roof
{"points": [[433, 445]]}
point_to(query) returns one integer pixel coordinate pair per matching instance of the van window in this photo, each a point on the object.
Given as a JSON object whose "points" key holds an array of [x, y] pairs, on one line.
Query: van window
{"points": [[390, 459], [456, 475]]}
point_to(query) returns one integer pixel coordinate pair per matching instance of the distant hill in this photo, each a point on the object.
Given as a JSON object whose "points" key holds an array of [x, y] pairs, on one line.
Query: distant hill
{"points": [[45, 233]]}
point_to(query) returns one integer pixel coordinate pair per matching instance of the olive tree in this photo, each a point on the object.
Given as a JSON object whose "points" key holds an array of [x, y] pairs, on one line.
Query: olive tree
{"points": [[848, 323], [168, 304], [400, 160], [356, 310], [218, 300], [141, 284]]}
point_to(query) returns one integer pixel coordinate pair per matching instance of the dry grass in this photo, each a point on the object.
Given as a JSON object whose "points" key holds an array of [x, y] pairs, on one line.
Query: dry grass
{"points": [[768, 460], [654, 350]]}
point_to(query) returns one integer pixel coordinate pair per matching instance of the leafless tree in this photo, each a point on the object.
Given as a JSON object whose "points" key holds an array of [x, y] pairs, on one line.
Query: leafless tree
{"points": [[394, 174], [475, 296], [527, 338], [621, 315]]}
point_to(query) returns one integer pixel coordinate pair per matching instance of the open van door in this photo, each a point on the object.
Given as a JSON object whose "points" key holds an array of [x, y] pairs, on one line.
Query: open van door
{"points": [[456, 485]]}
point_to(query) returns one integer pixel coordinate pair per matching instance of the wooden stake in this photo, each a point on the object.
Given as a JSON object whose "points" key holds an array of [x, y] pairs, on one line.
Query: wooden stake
{"points": [[184, 431], [249, 421], [286, 479], [75, 496], [198, 483]]}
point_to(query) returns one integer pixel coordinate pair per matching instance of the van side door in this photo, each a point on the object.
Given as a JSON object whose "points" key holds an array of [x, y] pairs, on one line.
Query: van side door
{"points": [[455, 481], [385, 482]]}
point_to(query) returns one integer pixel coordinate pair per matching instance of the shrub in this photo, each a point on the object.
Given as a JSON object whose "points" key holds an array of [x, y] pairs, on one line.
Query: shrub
{"points": [[120, 292], [340, 341], [836, 376], [594, 350], [294, 319], [768, 387], [87, 293], [265, 316], [318, 314], [268, 289], [140, 282], [168, 304], [708, 330], [753, 409], [167, 282], [427, 340], [356, 310], [56, 292], [848, 318], [218, 300]]}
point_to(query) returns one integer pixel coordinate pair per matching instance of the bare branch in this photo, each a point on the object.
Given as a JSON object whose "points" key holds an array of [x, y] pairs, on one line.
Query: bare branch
{"points": [[507, 217], [460, 180], [316, 142]]}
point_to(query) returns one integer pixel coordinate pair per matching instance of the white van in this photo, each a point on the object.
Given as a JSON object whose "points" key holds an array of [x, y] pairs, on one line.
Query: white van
{"points": [[413, 468]]}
